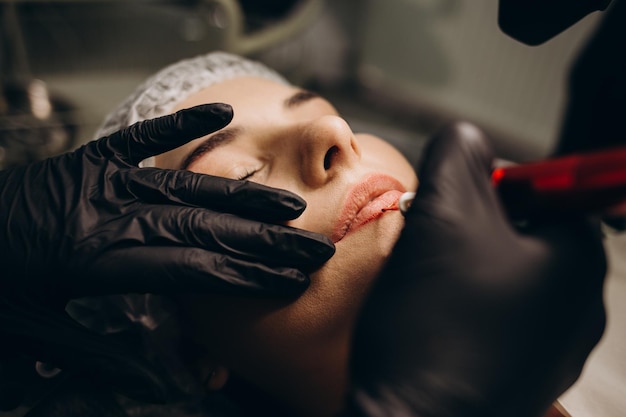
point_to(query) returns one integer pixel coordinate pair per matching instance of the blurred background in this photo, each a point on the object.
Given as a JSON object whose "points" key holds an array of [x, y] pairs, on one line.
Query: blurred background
{"points": [[396, 68]]}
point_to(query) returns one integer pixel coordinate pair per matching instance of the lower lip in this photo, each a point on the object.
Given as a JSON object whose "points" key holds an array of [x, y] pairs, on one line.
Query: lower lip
{"points": [[373, 210]]}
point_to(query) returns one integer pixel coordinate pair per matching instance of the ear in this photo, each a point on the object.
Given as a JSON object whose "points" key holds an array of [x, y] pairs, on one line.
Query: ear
{"points": [[216, 378], [211, 373]]}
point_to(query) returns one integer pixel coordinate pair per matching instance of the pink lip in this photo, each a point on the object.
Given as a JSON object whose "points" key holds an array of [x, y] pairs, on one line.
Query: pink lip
{"points": [[365, 202]]}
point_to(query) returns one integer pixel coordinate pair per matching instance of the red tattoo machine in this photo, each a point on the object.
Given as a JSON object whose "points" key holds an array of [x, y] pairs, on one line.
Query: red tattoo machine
{"points": [[578, 183]]}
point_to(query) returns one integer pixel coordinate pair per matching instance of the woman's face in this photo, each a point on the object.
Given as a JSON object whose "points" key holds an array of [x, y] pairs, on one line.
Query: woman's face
{"points": [[284, 137]]}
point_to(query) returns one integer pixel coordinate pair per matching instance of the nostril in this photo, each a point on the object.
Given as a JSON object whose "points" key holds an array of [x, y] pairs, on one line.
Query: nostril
{"points": [[328, 158]]}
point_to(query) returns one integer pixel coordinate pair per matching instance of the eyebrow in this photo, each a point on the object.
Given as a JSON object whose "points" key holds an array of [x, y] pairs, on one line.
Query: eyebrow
{"points": [[220, 138], [299, 98], [227, 135]]}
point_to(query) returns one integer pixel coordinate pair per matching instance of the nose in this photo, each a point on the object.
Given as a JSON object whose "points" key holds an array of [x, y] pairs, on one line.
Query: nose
{"points": [[326, 148]]}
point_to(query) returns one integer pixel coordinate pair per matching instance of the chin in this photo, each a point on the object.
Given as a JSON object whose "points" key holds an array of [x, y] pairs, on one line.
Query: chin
{"points": [[362, 253]]}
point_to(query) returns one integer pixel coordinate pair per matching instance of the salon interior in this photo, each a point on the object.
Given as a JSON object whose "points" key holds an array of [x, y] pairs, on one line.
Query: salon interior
{"points": [[400, 68], [397, 68]]}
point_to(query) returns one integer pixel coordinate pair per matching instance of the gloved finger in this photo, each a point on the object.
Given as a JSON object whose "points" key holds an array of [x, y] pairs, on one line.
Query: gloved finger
{"points": [[56, 339], [455, 174], [162, 134], [244, 198], [166, 270], [232, 235]]}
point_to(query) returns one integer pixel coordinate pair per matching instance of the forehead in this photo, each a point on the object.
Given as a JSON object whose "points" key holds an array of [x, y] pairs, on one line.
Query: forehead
{"points": [[240, 92]]}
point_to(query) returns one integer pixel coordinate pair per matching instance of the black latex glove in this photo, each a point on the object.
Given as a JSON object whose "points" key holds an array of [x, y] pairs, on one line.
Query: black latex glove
{"points": [[91, 222], [471, 316]]}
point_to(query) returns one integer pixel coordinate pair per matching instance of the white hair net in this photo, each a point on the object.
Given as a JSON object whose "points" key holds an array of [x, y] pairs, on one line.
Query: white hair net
{"points": [[160, 93]]}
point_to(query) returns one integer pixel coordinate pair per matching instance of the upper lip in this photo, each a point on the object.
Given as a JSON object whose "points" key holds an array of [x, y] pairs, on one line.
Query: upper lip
{"points": [[359, 196]]}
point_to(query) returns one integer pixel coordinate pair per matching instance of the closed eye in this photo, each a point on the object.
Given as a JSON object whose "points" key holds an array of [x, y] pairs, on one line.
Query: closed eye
{"points": [[247, 175]]}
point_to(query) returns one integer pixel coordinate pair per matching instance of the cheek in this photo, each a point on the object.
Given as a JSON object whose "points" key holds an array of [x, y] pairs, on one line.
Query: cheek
{"points": [[319, 215]]}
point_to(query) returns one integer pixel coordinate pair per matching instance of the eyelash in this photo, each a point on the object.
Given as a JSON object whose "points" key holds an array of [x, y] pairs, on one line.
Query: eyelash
{"points": [[247, 175]]}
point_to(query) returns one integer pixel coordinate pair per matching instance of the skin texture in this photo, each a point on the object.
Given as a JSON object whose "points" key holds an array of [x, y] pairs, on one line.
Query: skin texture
{"points": [[297, 350]]}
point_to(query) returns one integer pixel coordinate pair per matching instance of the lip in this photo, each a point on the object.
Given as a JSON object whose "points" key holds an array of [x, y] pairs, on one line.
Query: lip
{"points": [[365, 202]]}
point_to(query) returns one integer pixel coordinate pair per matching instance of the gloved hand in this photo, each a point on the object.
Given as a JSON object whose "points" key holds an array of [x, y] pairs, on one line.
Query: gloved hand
{"points": [[471, 316], [91, 222]]}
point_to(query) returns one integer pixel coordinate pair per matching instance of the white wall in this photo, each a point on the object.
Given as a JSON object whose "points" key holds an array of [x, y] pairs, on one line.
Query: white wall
{"points": [[449, 56]]}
